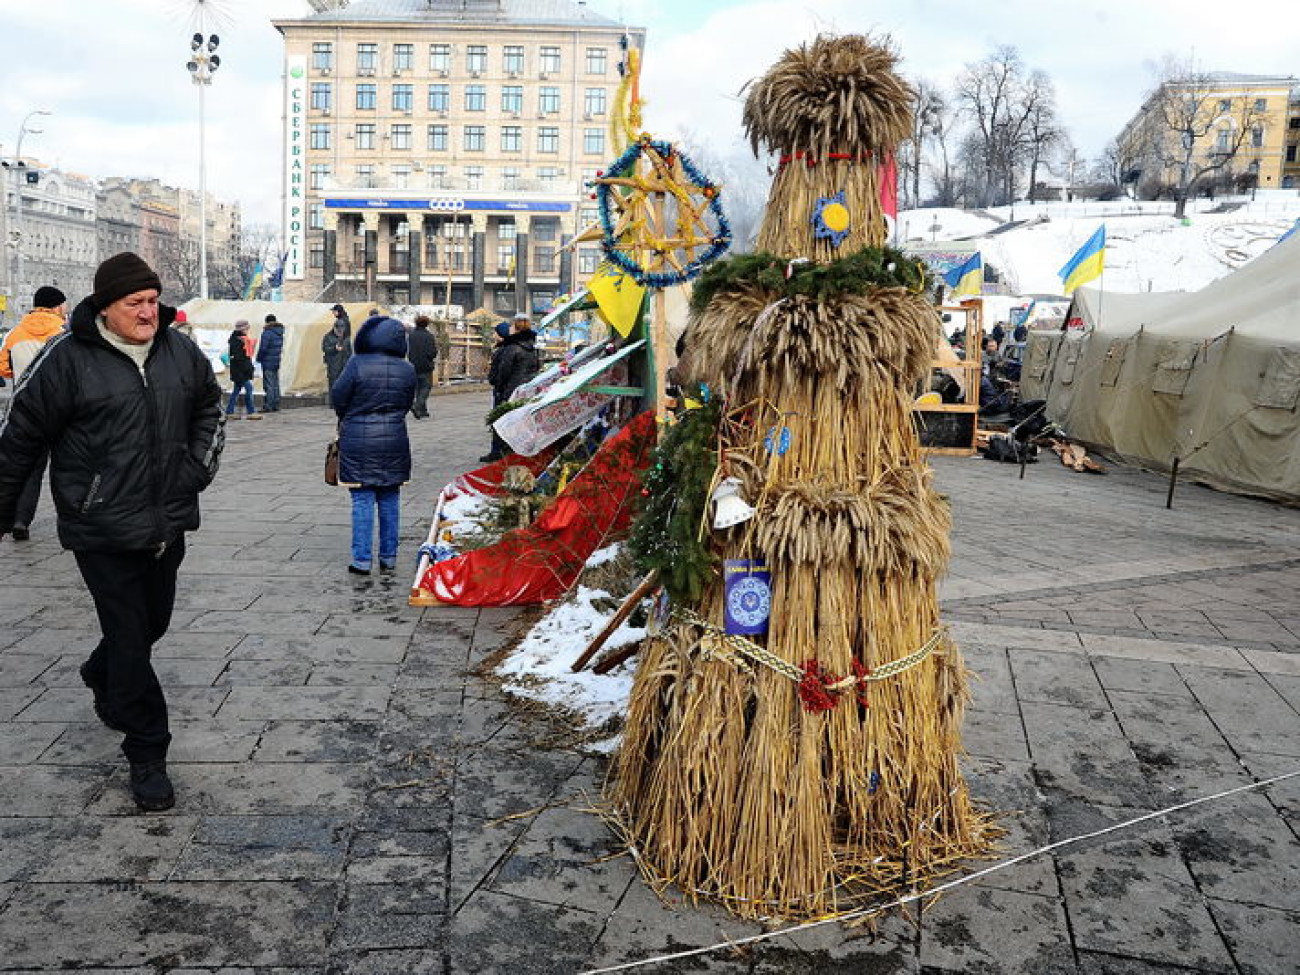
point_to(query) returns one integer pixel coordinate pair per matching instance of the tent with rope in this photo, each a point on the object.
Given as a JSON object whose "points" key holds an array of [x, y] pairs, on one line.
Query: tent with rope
{"points": [[1209, 378]]}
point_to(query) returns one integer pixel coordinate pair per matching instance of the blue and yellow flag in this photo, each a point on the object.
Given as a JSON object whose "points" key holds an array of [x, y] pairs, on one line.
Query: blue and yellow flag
{"points": [[967, 278], [254, 282], [1087, 263]]}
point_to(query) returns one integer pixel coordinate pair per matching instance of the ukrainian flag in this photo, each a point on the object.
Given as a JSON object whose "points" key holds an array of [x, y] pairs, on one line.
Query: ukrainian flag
{"points": [[254, 282], [1087, 263], [967, 278]]}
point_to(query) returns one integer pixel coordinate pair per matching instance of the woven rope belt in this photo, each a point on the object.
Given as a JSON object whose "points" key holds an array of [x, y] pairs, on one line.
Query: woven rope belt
{"points": [[819, 689]]}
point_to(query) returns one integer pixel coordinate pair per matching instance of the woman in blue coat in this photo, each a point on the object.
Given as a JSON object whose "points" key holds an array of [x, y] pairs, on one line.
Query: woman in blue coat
{"points": [[371, 397]]}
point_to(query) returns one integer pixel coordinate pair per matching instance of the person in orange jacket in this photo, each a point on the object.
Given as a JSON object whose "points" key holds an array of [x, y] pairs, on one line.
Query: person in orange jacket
{"points": [[42, 323]]}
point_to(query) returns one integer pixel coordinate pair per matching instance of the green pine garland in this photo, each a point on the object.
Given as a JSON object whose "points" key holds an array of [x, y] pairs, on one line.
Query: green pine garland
{"points": [[871, 267], [666, 533]]}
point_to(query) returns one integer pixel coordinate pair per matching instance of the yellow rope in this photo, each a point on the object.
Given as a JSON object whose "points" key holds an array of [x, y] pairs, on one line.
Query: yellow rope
{"points": [[720, 642]]}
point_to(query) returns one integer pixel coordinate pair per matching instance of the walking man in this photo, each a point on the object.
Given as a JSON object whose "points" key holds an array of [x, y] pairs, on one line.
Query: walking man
{"points": [[421, 353], [44, 322], [269, 350], [129, 454]]}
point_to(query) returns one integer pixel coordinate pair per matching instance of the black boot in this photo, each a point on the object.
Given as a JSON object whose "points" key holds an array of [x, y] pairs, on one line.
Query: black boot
{"points": [[150, 786], [97, 688]]}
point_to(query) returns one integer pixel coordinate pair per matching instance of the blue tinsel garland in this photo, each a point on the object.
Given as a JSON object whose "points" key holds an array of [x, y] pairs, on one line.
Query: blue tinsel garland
{"points": [[626, 164]]}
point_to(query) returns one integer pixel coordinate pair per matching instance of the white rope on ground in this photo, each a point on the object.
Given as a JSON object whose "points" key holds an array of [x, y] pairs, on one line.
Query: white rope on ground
{"points": [[910, 898]]}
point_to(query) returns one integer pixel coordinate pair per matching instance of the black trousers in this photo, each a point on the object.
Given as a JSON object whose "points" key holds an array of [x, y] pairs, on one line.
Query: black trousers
{"points": [[134, 593], [25, 510], [423, 385]]}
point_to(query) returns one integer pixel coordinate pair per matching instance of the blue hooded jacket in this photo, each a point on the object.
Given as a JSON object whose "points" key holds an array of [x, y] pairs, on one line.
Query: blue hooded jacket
{"points": [[371, 397]]}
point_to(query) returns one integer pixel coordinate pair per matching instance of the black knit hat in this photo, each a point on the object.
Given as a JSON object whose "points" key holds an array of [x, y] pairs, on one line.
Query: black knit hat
{"points": [[269, 319], [121, 275], [48, 296]]}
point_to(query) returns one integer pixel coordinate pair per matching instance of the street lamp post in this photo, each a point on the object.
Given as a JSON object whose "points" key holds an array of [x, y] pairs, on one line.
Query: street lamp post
{"points": [[202, 63], [21, 176]]}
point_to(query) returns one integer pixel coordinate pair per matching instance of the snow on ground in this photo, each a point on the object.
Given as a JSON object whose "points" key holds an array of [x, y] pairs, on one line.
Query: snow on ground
{"points": [[1147, 249], [539, 667]]}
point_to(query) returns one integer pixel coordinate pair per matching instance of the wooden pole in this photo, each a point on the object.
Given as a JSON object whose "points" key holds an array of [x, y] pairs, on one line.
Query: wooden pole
{"points": [[639, 593]]}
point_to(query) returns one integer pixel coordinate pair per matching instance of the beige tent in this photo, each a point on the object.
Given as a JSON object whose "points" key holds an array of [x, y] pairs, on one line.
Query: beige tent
{"points": [[1210, 377], [302, 368]]}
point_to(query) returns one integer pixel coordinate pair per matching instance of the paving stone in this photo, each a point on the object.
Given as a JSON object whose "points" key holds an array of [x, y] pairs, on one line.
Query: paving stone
{"points": [[21, 669], [1249, 712], [264, 788], [380, 649], [1239, 850], [134, 849], [1135, 897], [644, 926], [1008, 791], [1056, 678], [568, 858], [249, 924], [318, 741], [1118, 674], [983, 930], [1264, 941], [520, 935], [48, 790], [261, 848], [1084, 754], [500, 783], [298, 703], [888, 945], [264, 673], [24, 743]]}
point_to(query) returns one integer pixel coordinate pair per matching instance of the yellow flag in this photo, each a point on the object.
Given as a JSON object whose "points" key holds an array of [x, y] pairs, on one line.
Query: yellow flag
{"points": [[617, 296]]}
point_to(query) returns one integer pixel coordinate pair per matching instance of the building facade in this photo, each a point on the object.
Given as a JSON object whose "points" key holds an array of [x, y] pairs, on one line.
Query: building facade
{"points": [[437, 151], [1253, 120], [50, 231]]}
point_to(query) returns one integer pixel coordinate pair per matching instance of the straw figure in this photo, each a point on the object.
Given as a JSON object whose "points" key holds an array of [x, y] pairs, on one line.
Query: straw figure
{"points": [[793, 773]]}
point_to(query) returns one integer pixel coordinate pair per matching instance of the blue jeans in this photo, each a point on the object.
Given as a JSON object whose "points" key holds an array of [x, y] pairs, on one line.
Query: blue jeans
{"points": [[245, 388], [270, 389], [364, 501]]}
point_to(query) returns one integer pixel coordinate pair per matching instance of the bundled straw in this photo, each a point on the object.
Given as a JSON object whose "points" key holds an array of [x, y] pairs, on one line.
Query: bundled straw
{"points": [[805, 769]]}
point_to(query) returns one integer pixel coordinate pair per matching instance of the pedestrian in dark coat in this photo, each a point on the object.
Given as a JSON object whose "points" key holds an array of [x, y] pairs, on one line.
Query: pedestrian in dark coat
{"points": [[130, 413], [520, 361], [269, 352], [371, 398], [240, 353], [422, 354], [336, 349], [499, 447], [341, 318]]}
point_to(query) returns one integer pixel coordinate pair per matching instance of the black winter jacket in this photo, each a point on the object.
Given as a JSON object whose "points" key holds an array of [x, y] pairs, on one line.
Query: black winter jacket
{"points": [[241, 366], [517, 362], [371, 399], [128, 455], [421, 350]]}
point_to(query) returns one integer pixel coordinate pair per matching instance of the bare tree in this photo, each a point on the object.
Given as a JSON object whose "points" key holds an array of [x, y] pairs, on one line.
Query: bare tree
{"points": [[1189, 131], [1041, 132], [1013, 119], [745, 182], [926, 120]]}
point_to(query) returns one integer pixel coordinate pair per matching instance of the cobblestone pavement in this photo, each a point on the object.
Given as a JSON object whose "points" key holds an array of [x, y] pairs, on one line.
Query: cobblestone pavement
{"points": [[352, 800]]}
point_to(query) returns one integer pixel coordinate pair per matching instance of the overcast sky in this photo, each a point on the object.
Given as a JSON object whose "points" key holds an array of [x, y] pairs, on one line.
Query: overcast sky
{"points": [[113, 74]]}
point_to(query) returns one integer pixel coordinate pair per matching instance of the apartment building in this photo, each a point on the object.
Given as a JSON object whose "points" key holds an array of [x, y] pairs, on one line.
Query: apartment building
{"points": [[50, 229], [437, 151], [1257, 117]]}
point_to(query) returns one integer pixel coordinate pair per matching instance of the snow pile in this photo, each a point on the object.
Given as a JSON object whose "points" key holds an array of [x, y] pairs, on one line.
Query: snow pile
{"points": [[539, 668], [1146, 248]]}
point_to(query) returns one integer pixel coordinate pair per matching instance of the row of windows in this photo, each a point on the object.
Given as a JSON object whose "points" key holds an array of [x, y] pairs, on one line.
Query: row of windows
{"points": [[442, 58], [438, 177], [439, 98], [437, 138]]}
